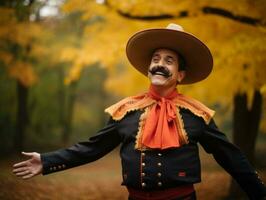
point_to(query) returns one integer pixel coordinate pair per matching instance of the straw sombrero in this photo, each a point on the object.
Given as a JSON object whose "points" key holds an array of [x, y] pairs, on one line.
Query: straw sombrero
{"points": [[196, 54]]}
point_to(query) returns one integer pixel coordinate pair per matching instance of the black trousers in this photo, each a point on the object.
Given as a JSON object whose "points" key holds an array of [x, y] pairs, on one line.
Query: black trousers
{"points": [[191, 196]]}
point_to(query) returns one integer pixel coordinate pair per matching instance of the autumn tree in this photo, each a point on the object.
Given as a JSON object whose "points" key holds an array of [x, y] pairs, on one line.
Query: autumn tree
{"points": [[26, 54], [17, 55]]}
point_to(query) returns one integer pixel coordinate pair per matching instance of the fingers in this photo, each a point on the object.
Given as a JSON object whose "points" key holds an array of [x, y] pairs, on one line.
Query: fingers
{"points": [[27, 153], [23, 172], [28, 176], [20, 164], [27, 172], [24, 163], [27, 168], [21, 169]]}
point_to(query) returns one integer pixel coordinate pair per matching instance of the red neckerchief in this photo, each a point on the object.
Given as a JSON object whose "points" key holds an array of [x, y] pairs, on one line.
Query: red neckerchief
{"points": [[165, 124], [160, 130]]}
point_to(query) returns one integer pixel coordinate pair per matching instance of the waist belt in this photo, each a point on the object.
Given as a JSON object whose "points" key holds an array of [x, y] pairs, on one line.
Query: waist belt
{"points": [[170, 193]]}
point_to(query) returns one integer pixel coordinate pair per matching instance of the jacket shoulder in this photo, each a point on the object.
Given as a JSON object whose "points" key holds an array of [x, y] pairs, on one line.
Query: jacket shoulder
{"points": [[196, 107], [118, 110]]}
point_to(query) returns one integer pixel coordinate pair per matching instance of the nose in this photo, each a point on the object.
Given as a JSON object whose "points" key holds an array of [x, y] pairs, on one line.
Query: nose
{"points": [[161, 62]]}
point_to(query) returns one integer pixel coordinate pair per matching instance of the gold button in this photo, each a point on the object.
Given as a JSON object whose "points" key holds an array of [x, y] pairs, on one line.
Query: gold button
{"points": [[159, 164], [159, 154], [160, 184], [54, 168], [143, 174], [63, 165], [143, 184], [51, 168], [143, 154], [143, 164], [59, 167], [159, 174]]}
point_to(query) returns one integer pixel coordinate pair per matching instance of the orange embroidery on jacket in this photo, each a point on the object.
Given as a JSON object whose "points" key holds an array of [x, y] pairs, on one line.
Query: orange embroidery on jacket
{"points": [[143, 101]]}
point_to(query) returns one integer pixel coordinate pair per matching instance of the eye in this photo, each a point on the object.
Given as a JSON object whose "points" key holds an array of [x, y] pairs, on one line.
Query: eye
{"points": [[169, 62], [155, 60]]}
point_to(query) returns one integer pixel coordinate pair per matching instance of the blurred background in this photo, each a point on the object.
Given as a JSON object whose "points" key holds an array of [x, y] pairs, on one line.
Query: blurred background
{"points": [[62, 62]]}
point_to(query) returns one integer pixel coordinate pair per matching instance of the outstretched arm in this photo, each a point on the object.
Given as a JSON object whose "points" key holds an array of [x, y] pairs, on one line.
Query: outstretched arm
{"points": [[233, 161], [28, 168], [81, 153]]}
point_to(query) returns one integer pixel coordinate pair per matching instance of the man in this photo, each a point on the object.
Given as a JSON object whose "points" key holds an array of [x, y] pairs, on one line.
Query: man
{"points": [[159, 130]]}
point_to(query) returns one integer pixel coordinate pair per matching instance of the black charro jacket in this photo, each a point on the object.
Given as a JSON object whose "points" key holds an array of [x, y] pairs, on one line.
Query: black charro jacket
{"points": [[160, 169]]}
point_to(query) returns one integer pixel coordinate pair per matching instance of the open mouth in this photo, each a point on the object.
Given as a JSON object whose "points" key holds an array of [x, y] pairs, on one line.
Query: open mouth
{"points": [[161, 71]]}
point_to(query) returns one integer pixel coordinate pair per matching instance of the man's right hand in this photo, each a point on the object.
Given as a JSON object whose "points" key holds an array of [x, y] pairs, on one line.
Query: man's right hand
{"points": [[28, 168]]}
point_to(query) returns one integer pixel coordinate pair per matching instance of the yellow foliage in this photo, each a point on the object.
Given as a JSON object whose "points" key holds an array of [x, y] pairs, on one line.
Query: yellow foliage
{"points": [[155, 7], [7, 14], [263, 89], [125, 82], [23, 35], [74, 74], [68, 54], [255, 9], [234, 45], [72, 6], [238, 49], [23, 72], [38, 51], [6, 57]]}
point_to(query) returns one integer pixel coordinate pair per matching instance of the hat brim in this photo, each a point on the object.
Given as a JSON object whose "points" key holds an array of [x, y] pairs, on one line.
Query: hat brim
{"points": [[198, 58]]}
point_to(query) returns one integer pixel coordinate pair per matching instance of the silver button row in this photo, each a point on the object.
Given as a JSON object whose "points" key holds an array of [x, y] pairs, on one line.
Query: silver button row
{"points": [[160, 184], [57, 167]]}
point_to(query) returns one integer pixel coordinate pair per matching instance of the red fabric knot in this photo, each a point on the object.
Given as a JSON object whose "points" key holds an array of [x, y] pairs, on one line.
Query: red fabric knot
{"points": [[160, 130]]}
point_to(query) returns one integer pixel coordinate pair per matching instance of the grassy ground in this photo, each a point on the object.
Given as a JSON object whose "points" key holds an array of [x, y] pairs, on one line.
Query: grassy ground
{"points": [[99, 181]]}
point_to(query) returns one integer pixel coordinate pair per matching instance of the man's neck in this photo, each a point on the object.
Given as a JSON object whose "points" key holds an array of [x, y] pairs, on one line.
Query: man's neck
{"points": [[163, 91]]}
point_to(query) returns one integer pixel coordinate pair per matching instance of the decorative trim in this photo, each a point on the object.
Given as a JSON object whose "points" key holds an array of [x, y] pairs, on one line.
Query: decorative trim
{"points": [[196, 107], [142, 121], [181, 130], [143, 101], [120, 109]]}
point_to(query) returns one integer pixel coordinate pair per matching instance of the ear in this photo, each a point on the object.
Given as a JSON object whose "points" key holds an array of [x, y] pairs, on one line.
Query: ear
{"points": [[181, 75]]}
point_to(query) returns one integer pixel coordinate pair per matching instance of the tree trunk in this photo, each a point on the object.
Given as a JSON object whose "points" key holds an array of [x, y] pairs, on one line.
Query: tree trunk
{"points": [[245, 131], [61, 94], [22, 117], [67, 127]]}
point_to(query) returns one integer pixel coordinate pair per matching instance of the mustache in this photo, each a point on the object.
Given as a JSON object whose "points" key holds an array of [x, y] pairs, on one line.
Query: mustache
{"points": [[161, 69]]}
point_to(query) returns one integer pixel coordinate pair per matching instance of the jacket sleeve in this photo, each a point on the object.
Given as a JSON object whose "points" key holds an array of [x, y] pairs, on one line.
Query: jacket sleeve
{"points": [[233, 161], [83, 152]]}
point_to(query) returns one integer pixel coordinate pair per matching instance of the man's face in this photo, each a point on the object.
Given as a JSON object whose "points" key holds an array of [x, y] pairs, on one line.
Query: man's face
{"points": [[163, 70]]}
